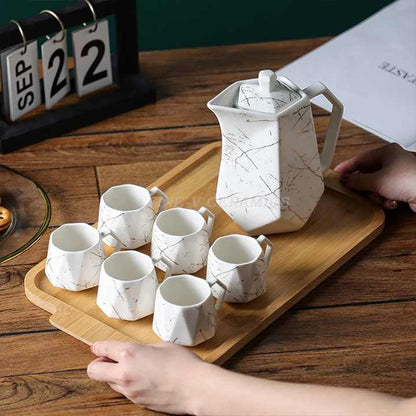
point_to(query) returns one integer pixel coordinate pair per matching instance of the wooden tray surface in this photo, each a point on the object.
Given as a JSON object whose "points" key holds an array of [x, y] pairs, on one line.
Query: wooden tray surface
{"points": [[341, 225]]}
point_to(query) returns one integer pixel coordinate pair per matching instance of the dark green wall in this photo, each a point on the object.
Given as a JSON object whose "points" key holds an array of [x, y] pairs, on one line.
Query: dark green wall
{"points": [[165, 24]]}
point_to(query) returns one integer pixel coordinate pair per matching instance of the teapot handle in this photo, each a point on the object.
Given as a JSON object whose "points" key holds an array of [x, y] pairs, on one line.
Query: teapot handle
{"points": [[334, 122]]}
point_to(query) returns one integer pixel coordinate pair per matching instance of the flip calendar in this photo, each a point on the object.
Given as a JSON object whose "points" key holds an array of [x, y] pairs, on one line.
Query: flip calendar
{"points": [[95, 67]]}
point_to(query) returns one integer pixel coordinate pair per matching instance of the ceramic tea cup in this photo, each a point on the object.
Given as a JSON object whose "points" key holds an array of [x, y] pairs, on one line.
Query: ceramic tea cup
{"points": [[127, 211], [182, 235], [128, 284], [185, 312], [240, 262], [75, 255]]}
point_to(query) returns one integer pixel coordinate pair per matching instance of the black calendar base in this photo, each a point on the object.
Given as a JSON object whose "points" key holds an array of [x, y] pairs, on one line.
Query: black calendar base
{"points": [[133, 92]]}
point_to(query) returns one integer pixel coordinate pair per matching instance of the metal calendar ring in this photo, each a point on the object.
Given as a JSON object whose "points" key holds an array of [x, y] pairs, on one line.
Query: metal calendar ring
{"points": [[53, 14], [94, 15], [22, 34]]}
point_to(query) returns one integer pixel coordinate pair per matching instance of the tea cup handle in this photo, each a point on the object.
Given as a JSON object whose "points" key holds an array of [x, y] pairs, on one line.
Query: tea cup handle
{"points": [[167, 263], [268, 250], [210, 219], [105, 234], [163, 198], [220, 299]]}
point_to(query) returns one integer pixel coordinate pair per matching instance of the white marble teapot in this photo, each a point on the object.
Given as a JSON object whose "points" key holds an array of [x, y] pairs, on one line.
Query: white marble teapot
{"points": [[270, 177]]}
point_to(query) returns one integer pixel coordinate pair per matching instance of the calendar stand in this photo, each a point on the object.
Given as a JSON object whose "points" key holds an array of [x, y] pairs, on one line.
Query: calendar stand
{"points": [[132, 90]]}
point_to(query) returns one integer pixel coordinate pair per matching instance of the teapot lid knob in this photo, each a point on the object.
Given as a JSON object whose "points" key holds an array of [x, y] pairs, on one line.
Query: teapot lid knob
{"points": [[267, 81]]}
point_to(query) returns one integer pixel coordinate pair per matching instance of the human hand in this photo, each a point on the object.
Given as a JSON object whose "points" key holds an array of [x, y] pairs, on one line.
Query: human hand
{"points": [[163, 377], [169, 378], [388, 171]]}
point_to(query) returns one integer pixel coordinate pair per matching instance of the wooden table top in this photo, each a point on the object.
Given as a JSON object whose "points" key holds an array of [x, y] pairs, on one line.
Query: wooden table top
{"points": [[357, 329]]}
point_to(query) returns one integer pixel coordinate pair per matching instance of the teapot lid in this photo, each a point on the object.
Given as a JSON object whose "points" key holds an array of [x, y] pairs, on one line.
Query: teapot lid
{"points": [[268, 95]]}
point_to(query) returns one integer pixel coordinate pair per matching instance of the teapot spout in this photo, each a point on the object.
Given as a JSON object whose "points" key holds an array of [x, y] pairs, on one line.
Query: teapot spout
{"points": [[225, 107]]}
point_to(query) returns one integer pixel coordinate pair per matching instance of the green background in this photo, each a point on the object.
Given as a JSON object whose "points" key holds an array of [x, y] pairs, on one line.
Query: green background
{"points": [[167, 24]]}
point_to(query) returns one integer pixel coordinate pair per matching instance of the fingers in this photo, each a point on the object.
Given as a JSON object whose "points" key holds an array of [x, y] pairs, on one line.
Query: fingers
{"points": [[105, 360], [389, 204], [164, 344], [368, 161], [378, 199], [362, 181], [115, 350], [101, 370], [369, 182], [385, 203], [394, 151], [116, 387]]}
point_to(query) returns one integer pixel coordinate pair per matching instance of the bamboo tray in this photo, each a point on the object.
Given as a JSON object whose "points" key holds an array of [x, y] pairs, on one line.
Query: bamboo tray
{"points": [[341, 225]]}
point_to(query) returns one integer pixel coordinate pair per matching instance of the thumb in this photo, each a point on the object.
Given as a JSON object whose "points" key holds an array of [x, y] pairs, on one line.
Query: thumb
{"points": [[362, 181]]}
